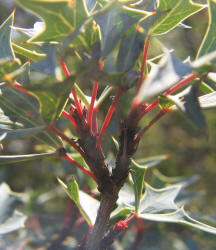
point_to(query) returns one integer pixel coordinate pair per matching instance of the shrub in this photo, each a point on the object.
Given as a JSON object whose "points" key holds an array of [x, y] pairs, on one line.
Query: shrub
{"points": [[104, 45]]}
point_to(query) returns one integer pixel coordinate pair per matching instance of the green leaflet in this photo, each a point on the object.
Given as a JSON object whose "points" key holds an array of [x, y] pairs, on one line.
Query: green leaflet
{"points": [[209, 40], [6, 159], [82, 200], [173, 12], [60, 16], [10, 219], [6, 51], [53, 98], [32, 55]]}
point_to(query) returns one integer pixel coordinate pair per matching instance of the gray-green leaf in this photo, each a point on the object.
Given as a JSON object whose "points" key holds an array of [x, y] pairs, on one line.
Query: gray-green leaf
{"points": [[163, 76], [173, 12], [5, 39], [10, 219], [209, 40], [87, 205], [6, 159], [158, 200], [180, 217]]}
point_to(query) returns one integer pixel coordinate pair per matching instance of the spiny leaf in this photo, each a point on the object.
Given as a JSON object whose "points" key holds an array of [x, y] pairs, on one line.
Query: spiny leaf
{"points": [[6, 50], [209, 40], [189, 105], [6, 159], [158, 200], [32, 55], [163, 76], [82, 200], [133, 44], [180, 217], [53, 98], [10, 219], [20, 133], [60, 17], [172, 13]]}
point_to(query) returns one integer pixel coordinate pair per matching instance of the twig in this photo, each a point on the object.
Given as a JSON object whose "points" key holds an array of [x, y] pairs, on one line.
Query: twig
{"points": [[91, 108], [66, 114], [144, 59], [85, 170], [149, 125], [68, 140], [109, 114]]}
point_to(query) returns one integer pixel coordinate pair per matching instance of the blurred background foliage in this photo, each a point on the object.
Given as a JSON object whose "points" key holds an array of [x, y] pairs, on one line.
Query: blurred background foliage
{"points": [[190, 153]]}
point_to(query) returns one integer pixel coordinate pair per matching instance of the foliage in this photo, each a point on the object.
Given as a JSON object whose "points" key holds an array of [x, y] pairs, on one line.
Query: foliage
{"points": [[105, 45]]}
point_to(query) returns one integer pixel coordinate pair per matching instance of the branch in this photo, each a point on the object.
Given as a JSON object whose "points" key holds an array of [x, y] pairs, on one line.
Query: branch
{"points": [[91, 108], [66, 114], [144, 59], [106, 206], [150, 124], [85, 170], [109, 114], [65, 138], [176, 87]]}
